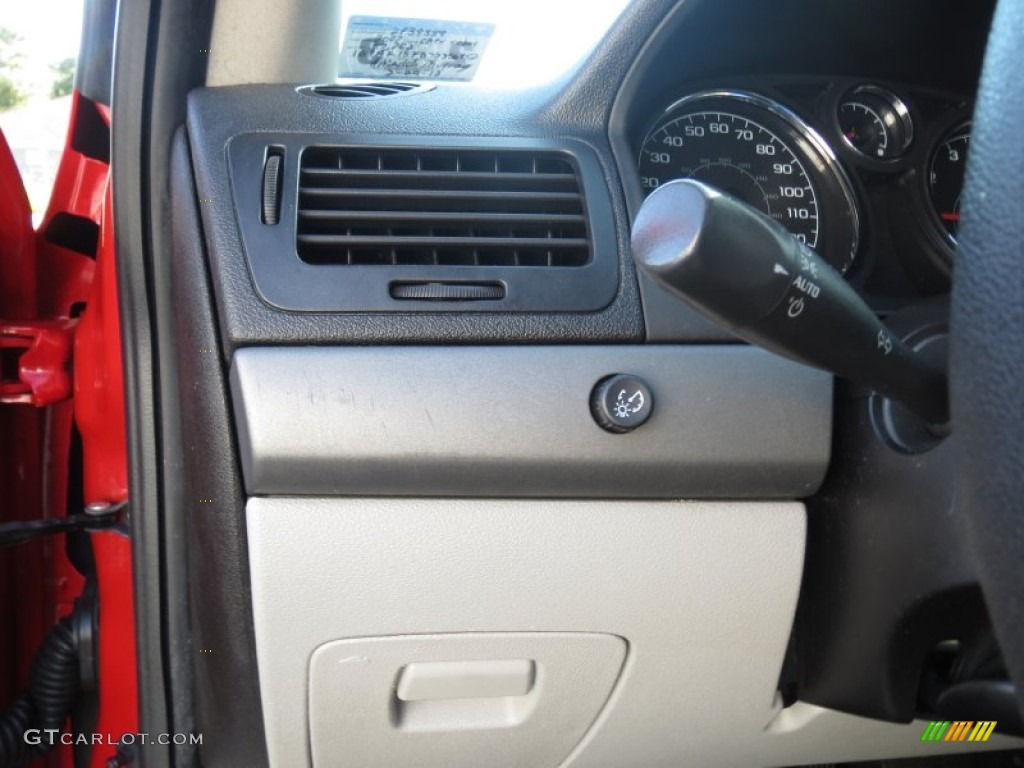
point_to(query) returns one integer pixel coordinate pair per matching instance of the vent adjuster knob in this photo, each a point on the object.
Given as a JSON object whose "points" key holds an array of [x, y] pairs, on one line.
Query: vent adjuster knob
{"points": [[272, 189]]}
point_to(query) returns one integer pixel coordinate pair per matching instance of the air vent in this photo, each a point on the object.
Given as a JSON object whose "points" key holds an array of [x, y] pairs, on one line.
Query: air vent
{"points": [[364, 90], [406, 206], [475, 224]]}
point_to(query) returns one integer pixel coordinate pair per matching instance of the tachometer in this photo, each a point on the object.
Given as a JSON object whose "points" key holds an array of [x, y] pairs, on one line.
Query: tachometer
{"points": [[756, 150]]}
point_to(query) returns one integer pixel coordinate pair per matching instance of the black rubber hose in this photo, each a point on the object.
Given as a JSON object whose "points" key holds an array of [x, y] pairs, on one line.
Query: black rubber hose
{"points": [[54, 680], [13, 724], [53, 686]]}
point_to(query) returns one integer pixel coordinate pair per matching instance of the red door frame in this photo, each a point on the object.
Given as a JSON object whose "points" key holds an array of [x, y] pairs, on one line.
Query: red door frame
{"points": [[64, 371]]}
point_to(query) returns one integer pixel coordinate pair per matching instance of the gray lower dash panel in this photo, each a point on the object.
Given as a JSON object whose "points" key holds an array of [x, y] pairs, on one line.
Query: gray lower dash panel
{"points": [[729, 421]]}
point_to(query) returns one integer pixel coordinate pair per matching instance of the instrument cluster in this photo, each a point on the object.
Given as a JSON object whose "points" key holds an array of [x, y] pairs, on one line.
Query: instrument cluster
{"points": [[868, 174]]}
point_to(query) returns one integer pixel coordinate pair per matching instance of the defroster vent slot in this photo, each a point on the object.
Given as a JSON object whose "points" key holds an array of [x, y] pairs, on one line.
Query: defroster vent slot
{"points": [[441, 207]]}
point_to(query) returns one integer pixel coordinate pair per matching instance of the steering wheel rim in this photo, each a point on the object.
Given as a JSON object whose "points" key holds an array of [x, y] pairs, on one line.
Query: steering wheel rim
{"points": [[987, 337]]}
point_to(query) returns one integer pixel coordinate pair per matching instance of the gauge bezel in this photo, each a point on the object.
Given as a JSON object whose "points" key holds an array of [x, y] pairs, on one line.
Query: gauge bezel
{"points": [[926, 248], [838, 207], [950, 131], [895, 103]]}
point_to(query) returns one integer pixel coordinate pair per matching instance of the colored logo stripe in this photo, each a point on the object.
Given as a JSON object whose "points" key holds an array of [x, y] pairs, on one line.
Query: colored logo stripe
{"points": [[982, 730], [958, 730]]}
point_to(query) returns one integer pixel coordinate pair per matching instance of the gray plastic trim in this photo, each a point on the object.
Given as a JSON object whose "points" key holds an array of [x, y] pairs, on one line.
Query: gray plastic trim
{"points": [[728, 421], [358, 717], [266, 41], [703, 593]]}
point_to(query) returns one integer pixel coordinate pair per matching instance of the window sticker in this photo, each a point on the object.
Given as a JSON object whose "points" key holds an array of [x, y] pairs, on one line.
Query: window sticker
{"points": [[415, 49]]}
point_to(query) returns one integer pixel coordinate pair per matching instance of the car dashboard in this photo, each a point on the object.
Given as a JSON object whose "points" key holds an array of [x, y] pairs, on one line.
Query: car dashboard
{"points": [[869, 108], [869, 182], [409, 308]]}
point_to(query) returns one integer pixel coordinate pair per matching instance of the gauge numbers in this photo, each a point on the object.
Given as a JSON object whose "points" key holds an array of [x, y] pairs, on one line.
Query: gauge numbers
{"points": [[758, 151], [739, 157]]}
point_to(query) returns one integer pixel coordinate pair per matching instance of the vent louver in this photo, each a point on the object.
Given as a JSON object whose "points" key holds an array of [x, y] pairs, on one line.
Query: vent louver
{"points": [[365, 90], [445, 207]]}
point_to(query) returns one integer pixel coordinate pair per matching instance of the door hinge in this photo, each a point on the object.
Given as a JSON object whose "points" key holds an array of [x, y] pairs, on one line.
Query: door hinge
{"points": [[36, 361]]}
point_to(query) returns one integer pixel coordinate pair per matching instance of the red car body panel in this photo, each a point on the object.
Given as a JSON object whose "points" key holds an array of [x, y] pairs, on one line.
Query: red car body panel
{"points": [[63, 372]]}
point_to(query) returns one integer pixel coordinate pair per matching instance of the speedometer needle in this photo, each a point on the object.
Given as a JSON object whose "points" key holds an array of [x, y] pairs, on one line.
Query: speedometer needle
{"points": [[951, 217]]}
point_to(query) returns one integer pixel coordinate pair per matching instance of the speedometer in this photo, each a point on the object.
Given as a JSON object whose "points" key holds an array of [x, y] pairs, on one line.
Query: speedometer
{"points": [[739, 157], [759, 152]]}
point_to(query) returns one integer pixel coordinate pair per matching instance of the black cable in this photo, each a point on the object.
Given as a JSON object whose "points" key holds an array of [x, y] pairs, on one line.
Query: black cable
{"points": [[53, 685], [54, 681], [14, 750]]}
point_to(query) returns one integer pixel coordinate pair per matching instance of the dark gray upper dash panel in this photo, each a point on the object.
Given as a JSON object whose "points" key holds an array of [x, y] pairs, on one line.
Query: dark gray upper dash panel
{"points": [[574, 108], [216, 116]]}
